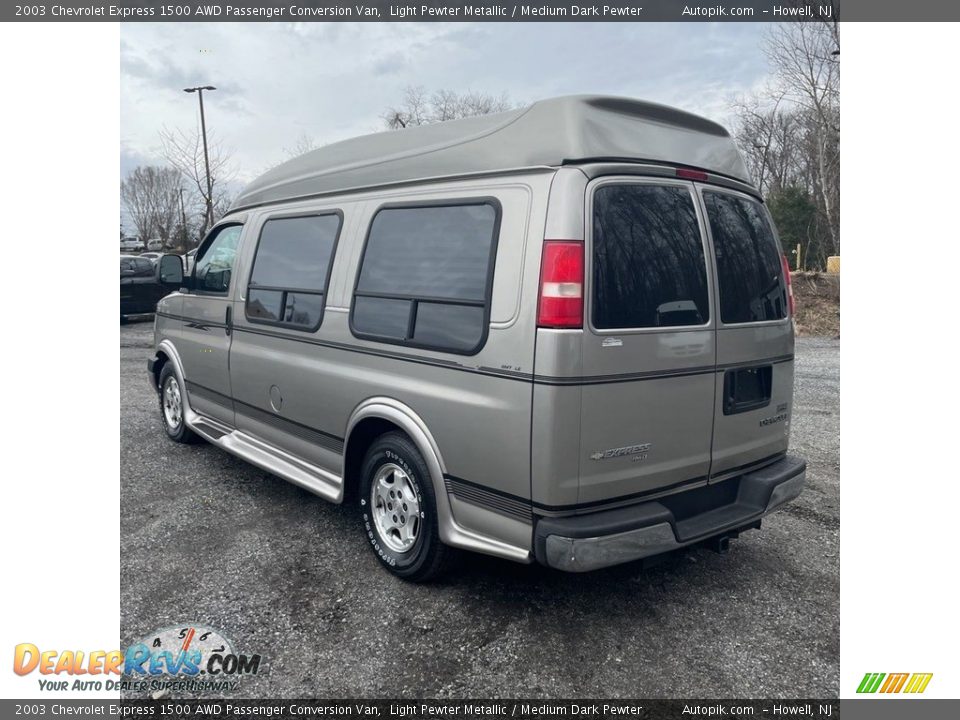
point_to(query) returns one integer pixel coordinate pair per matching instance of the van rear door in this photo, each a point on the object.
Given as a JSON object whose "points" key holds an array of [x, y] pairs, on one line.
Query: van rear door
{"points": [[648, 352], [754, 334]]}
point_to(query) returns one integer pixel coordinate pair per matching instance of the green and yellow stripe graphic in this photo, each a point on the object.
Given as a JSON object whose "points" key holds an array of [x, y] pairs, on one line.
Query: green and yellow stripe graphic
{"points": [[894, 682]]}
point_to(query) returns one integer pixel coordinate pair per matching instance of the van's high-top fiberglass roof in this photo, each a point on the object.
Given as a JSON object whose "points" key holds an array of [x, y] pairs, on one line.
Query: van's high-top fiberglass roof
{"points": [[549, 133]]}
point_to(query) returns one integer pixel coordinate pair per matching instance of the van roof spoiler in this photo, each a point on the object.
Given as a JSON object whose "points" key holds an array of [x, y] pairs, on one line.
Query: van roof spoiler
{"points": [[546, 134]]}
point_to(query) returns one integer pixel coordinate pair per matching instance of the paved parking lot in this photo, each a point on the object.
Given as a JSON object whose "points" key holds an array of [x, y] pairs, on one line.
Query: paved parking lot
{"points": [[209, 538]]}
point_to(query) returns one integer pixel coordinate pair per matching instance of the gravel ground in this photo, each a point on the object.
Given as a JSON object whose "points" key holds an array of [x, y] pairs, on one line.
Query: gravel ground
{"points": [[211, 539]]}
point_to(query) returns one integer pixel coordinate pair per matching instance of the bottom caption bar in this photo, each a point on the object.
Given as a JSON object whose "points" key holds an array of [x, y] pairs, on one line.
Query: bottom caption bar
{"points": [[415, 709]]}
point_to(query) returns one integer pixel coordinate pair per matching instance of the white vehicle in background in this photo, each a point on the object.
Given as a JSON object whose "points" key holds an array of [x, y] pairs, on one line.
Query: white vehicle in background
{"points": [[155, 245], [131, 244]]}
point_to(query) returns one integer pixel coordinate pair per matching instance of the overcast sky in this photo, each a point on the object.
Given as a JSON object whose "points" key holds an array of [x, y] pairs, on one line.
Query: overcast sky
{"points": [[276, 82]]}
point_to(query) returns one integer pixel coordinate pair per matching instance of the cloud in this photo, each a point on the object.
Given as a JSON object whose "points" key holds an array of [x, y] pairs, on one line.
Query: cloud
{"points": [[277, 82]]}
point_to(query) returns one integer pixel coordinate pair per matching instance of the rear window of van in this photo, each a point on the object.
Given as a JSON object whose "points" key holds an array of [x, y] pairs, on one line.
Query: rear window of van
{"points": [[649, 268], [749, 269]]}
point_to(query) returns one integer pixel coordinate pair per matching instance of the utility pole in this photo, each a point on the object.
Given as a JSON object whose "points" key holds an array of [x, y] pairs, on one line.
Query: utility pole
{"points": [[183, 223], [206, 156]]}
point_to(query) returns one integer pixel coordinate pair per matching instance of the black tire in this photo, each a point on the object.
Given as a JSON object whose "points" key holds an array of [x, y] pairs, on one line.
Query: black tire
{"points": [[178, 432], [428, 557]]}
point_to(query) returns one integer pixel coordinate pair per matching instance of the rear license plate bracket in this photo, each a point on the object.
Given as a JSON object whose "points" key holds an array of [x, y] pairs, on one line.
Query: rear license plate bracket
{"points": [[747, 388]]}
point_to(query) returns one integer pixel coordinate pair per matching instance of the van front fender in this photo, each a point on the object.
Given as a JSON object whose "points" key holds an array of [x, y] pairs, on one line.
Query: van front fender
{"points": [[173, 357]]}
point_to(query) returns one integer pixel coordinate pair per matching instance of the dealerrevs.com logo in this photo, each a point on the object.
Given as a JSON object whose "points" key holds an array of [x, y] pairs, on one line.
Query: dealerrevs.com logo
{"points": [[190, 657], [910, 683]]}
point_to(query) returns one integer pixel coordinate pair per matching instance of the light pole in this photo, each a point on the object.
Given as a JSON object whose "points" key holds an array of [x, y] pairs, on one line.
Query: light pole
{"points": [[206, 156], [183, 223]]}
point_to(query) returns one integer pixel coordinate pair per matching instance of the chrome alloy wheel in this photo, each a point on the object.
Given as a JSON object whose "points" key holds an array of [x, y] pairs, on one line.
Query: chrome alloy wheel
{"points": [[172, 403], [395, 508]]}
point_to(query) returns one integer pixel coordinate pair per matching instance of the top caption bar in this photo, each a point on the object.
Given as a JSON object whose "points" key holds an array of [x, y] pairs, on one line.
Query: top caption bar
{"points": [[479, 11]]}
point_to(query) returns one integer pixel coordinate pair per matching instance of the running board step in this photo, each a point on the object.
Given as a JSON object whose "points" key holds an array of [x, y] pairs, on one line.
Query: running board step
{"points": [[310, 477]]}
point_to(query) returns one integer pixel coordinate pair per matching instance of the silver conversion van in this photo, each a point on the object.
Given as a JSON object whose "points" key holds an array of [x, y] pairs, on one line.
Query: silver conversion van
{"points": [[562, 333]]}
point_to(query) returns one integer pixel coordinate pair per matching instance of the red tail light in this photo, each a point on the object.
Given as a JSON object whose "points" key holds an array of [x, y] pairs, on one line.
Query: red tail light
{"points": [[561, 285], [786, 272]]}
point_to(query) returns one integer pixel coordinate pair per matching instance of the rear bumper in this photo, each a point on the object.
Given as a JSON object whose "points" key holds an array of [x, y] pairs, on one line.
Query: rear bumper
{"points": [[588, 542]]}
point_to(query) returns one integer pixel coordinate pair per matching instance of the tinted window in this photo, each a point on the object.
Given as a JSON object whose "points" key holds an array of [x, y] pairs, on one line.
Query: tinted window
{"points": [[649, 268], [302, 309], [295, 253], [381, 316], [264, 304], [455, 326], [425, 276], [214, 264], [749, 269], [143, 266], [291, 269]]}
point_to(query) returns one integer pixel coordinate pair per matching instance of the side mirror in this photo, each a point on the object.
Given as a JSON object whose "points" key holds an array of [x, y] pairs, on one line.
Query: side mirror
{"points": [[170, 270]]}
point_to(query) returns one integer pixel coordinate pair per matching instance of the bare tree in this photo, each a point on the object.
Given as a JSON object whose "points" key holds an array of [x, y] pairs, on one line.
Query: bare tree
{"points": [[414, 110], [222, 201], [184, 150], [421, 108], [764, 133], [150, 195], [804, 58], [304, 144], [789, 132], [136, 199]]}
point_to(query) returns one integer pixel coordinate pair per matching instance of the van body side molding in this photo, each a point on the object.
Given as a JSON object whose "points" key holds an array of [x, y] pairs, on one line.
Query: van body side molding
{"points": [[310, 477]]}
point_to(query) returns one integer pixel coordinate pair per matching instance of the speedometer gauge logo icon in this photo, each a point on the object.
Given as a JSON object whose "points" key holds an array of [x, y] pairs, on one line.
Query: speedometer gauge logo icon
{"points": [[189, 650]]}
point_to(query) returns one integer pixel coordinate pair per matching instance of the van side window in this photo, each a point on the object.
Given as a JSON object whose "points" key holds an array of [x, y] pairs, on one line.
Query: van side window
{"points": [[426, 276], [291, 270], [649, 267], [215, 258], [749, 270]]}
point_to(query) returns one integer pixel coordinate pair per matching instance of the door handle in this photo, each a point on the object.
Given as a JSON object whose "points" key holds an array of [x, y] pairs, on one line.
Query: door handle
{"points": [[229, 319]]}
